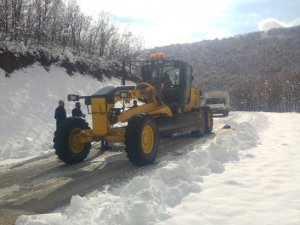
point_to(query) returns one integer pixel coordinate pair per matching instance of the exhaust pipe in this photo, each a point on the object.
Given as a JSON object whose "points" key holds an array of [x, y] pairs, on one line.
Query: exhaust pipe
{"points": [[123, 72]]}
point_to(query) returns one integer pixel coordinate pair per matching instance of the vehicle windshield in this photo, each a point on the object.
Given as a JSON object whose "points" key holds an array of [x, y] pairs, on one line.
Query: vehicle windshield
{"points": [[173, 74], [211, 101], [170, 74]]}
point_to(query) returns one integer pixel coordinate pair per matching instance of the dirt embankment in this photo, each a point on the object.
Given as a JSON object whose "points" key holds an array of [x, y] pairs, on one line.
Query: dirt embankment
{"points": [[11, 61]]}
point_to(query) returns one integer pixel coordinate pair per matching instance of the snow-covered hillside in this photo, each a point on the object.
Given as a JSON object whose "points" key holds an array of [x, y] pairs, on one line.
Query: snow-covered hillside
{"points": [[245, 175], [28, 100]]}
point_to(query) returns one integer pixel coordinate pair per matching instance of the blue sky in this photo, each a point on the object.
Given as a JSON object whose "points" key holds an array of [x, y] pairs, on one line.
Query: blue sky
{"points": [[163, 22]]}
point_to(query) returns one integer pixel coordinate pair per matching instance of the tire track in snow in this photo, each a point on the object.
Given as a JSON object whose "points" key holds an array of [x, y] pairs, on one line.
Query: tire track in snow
{"points": [[46, 183], [147, 198]]}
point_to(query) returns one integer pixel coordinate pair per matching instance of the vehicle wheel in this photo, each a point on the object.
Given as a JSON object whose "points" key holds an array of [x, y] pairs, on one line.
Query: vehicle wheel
{"points": [[209, 123], [200, 120], [66, 146], [141, 140]]}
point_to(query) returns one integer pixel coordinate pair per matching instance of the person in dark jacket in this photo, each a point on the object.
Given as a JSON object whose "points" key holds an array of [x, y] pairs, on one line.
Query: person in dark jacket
{"points": [[134, 104], [77, 111], [166, 80], [60, 113]]}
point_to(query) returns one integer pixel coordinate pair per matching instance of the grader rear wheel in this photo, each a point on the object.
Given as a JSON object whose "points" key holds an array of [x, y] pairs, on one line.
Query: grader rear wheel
{"points": [[200, 123], [141, 140], [209, 123], [66, 144]]}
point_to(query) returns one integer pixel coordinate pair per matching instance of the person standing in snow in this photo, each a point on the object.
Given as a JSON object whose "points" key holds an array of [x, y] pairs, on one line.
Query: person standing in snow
{"points": [[76, 112], [60, 113]]}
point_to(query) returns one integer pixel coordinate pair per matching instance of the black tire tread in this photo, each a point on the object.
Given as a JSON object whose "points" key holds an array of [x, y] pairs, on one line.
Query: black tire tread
{"points": [[61, 144], [199, 133], [133, 140], [207, 110]]}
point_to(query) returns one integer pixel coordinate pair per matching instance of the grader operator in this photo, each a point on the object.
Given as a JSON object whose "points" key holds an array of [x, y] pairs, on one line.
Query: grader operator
{"points": [[169, 104]]}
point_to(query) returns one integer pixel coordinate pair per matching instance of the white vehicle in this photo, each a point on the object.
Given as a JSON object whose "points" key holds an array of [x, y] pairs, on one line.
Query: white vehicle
{"points": [[218, 101]]}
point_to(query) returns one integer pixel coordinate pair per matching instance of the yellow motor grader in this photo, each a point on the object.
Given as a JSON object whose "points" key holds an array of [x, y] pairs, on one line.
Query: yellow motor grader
{"points": [[167, 104]]}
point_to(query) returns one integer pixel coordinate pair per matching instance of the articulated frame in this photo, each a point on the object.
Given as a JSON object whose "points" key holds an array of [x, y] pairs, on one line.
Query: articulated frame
{"points": [[101, 107]]}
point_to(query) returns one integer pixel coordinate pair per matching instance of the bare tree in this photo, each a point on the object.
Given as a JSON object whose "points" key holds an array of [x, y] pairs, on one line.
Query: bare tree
{"points": [[105, 31], [129, 47], [61, 23]]}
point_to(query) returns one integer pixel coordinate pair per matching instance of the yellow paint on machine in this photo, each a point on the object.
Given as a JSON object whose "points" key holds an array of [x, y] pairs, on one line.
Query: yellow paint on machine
{"points": [[194, 100], [150, 108], [116, 134], [147, 139], [99, 116]]}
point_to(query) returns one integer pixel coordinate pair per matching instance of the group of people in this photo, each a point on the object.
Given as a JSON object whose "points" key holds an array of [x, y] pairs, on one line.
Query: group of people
{"points": [[61, 115]]}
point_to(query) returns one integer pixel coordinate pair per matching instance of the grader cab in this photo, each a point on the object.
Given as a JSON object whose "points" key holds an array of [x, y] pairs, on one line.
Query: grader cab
{"points": [[167, 104]]}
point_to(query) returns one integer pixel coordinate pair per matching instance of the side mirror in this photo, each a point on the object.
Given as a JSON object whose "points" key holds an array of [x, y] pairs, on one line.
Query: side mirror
{"points": [[73, 98]]}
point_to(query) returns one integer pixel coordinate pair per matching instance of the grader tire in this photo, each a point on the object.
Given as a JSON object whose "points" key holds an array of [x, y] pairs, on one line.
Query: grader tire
{"points": [[200, 120], [208, 120], [68, 150], [141, 140]]}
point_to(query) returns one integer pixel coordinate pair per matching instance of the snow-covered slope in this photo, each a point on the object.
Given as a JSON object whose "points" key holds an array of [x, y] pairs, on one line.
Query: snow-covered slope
{"points": [[28, 100], [245, 175]]}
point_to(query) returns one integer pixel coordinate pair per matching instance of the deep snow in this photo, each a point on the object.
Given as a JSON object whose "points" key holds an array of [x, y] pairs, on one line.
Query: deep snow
{"points": [[262, 188], [245, 175], [28, 101]]}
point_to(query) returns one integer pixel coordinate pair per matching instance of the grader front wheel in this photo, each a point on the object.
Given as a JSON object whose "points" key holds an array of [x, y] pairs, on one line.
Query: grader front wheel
{"points": [[141, 140], [67, 146]]}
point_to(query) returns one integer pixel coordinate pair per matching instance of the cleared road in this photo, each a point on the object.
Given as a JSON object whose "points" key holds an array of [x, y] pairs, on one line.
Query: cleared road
{"points": [[43, 184]]}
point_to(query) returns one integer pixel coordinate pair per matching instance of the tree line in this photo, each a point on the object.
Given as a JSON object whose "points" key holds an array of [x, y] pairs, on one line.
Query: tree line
{"points": [[258, 69], [62, 24], [275, 94]]}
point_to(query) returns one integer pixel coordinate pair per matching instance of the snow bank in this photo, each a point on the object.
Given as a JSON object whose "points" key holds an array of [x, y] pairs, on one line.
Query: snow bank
{"points": [[28, 100], [148, 198], [263, 188]]}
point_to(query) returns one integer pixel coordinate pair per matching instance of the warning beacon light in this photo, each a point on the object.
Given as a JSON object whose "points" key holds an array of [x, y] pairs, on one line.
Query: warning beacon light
{"points": [[157, 55]]}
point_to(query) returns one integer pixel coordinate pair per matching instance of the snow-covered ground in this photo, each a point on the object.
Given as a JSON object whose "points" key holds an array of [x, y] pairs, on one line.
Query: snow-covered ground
{"points": [[245, 175], [28, 101]]}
